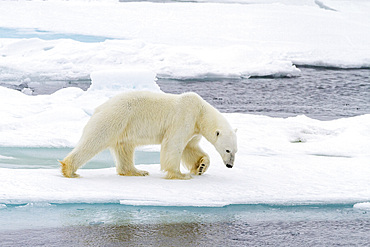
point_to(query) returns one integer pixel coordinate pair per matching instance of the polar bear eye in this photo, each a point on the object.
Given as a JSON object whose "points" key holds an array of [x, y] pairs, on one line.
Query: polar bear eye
{"points": [[227, 151]]}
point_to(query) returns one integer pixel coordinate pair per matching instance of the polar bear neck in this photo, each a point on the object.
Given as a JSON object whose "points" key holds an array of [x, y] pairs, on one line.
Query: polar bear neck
{"points": [[211, 120]]}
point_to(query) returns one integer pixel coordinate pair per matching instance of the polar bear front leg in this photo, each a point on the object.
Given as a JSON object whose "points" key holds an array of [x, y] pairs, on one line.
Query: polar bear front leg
{"points": [[194, 158], [124, 155], [170, 159]]}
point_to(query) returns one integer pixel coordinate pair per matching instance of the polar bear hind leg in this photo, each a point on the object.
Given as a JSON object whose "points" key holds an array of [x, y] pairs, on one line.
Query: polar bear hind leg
{"points": [[95, 138], [81, 154], [194, 158], [124, 155]]}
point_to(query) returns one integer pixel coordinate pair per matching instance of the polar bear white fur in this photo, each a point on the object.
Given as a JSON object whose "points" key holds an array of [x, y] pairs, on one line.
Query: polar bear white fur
{"points": [[177, 122]]}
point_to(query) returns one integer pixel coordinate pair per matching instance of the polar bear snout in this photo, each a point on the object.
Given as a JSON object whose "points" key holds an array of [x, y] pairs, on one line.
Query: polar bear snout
{"points": [[229, 163]]}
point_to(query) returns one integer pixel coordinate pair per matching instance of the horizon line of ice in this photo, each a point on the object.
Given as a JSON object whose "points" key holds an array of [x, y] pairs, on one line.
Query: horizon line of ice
{"points": [[365, 206]]}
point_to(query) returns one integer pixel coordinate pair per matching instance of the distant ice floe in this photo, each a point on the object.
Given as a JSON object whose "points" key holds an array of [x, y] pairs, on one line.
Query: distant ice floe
{"points": [[184, 40], [120, 80], [35, 205], [6, 157], [362, 206]]}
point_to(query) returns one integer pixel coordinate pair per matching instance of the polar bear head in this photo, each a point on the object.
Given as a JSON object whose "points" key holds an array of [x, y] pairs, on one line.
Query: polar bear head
{"points": [[226, 145]]}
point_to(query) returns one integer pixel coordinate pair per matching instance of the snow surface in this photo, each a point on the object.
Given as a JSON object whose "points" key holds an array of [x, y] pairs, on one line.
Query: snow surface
{"points": [[279, 179], [294, 160], [362, 206], [185, 40]]}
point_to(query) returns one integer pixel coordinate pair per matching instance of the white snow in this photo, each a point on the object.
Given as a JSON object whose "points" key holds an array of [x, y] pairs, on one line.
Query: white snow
{"points": [[120, 80], [6, 157], [185, 40], [294, 160], [276, 179], [362, 206]]}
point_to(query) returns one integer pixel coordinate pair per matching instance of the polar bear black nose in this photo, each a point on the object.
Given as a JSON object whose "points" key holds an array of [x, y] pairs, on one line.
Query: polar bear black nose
{"points": [[229, 166]]}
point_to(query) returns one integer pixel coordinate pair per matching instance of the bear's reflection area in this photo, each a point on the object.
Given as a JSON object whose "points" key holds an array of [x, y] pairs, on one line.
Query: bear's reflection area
{"points": [[300, 233]]}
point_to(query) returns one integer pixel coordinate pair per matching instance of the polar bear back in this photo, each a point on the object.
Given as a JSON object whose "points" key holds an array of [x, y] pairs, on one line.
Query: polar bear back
{"points": [[146, 117]]}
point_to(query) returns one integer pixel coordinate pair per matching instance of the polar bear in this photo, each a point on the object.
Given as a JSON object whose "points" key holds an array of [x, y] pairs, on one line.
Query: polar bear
{"points": [[177, 122]]}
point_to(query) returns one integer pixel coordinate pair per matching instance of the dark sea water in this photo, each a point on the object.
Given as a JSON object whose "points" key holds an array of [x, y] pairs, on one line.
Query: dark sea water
{"points": [[313, 233], [319, 93], [235, 225]]}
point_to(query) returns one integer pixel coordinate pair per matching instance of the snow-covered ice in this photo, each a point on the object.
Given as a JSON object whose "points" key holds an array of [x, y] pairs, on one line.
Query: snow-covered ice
{"points": [[185, 40], [362, 206], [279, 179], [294, 160]]}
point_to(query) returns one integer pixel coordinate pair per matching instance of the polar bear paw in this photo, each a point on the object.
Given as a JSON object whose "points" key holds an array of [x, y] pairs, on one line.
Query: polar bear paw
{"points": [[141, 173], [134, 173], [178, 175], [67, 171], [201, 169], [203, 165]]}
